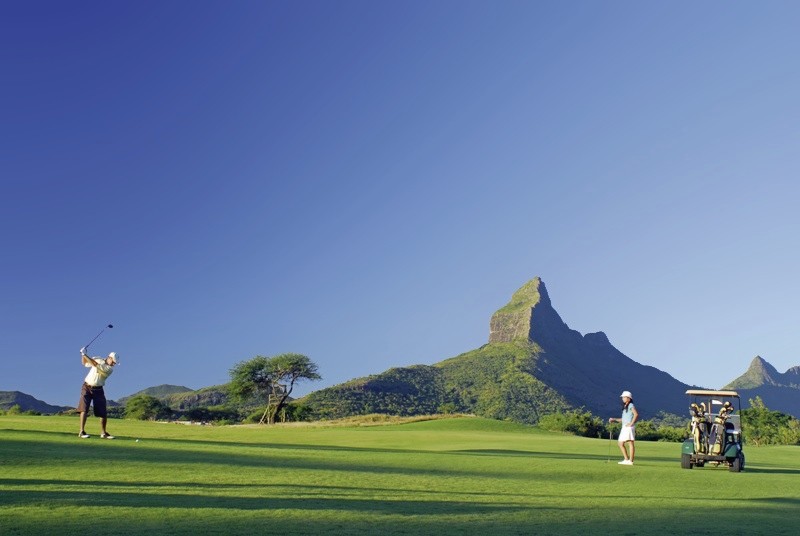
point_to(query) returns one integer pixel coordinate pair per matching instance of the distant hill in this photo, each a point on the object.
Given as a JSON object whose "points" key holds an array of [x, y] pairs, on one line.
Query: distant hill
{"points": [[182, 398], [215, 395], [159, 391], [9, 399], [534, 364], [780, 392]]}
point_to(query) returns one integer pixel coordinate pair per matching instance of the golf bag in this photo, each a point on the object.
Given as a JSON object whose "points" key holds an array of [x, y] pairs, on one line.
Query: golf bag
{"points": [[699, 428], [716, 440]]}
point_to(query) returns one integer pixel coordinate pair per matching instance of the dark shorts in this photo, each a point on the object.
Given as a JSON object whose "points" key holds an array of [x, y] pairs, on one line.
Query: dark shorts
{"points": [[94, 396]]}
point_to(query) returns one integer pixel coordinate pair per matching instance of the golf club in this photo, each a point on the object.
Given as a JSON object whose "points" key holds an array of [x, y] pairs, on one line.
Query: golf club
{"points": [[610, 441], [101, 332]]}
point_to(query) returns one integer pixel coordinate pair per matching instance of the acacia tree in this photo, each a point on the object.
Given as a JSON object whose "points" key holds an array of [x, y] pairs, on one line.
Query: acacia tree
{"points": [[270, 379]]}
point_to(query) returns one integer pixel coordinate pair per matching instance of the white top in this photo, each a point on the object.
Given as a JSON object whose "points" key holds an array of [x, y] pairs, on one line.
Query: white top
{"points": [[98, 375]]}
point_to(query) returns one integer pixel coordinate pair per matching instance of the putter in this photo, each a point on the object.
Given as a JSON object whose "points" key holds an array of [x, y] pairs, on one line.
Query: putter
{"points": [[95, 337], [610, 440]]}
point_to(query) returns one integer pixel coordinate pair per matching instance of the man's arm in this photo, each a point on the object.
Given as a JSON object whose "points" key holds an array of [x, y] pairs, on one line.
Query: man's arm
{"points": [[86, 360]]}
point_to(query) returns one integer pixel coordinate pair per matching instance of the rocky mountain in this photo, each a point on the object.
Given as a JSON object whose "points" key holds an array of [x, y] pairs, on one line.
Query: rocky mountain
{"points": [[9, 399], [533, 364], [780, 392]]}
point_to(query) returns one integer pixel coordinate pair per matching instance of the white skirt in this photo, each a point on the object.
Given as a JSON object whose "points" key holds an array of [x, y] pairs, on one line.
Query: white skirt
{"points": [[627, 434]]}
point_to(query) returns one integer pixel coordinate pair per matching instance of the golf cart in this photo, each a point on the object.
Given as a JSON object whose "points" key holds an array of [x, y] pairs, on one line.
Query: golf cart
{"points": [[716, 430]]}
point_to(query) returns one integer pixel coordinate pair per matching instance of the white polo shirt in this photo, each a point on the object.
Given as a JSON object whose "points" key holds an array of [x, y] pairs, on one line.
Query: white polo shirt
{"points": [[98, 375]]}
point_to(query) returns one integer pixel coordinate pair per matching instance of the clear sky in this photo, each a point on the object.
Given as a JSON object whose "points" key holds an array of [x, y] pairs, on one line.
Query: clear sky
{"points": [[367, 182]]}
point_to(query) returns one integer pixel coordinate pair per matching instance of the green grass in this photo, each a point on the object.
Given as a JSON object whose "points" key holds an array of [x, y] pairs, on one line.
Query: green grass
{"points": [[452, 476]]}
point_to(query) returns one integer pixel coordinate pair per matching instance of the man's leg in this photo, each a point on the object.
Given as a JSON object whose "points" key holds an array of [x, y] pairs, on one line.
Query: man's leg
{"points": [[83, 407], [103, 421]]}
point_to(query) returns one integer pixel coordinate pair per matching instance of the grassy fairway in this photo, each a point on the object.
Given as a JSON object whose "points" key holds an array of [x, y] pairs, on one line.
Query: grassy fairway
{"points": [[455, 476]]}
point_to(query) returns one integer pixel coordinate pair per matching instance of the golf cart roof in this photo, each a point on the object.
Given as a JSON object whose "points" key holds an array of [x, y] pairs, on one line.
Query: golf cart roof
{"points": [[705, 392]]}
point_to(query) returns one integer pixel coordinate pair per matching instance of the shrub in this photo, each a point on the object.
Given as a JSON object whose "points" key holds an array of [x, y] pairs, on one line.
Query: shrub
{"points": [[146, 408], [577, 422]]}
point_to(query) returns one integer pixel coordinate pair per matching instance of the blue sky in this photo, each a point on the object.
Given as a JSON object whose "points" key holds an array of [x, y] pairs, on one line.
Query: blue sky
{"points": [[367, 182]]}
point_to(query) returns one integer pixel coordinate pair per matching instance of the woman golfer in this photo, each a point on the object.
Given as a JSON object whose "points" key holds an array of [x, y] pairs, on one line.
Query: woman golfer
{"points": [[628, 432]]}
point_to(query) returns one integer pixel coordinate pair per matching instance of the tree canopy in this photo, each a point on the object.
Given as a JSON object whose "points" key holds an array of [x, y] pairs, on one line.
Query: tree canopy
{"points": [[270, 380]]}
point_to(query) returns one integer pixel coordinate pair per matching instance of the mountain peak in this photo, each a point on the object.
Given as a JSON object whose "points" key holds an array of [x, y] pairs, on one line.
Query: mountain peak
{"points": [[527, 296], [759, 373], [598, 338], [513, 321]]}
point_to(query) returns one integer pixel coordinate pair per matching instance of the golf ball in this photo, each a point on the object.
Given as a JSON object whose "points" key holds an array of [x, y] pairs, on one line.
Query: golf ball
{"points": [[137, 440]]}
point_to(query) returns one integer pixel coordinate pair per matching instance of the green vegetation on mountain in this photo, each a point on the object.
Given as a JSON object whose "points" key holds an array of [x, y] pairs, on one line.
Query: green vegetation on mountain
{"points": [[215, 395], [757, 374], [494, 381], [763, 382], [512, 322], [414, 390], [524, 299]]}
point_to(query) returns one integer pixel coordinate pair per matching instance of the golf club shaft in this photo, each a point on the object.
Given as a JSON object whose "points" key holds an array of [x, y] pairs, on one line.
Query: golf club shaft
{"points": [[95, 337]]}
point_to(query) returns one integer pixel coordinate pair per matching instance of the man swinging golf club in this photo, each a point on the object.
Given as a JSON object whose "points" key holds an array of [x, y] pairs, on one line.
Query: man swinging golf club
{"points": [[92, 390]]}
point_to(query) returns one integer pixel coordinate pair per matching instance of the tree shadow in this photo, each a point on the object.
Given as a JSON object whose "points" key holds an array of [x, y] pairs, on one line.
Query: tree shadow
{"points": [[139, 499], [769, 470], [256, 456]]}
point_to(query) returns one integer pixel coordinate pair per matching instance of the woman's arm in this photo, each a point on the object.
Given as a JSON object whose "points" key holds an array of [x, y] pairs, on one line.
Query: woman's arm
{"points": [[635, 416]]}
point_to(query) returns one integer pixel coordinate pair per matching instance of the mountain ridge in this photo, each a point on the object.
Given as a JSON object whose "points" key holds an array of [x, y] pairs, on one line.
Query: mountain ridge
{"points": [[541, 362], [533, 363], [26, 402]]}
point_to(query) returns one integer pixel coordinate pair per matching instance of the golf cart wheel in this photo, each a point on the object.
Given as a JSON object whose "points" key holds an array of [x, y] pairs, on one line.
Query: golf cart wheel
{"points": [[737, 464], [686, 461]]}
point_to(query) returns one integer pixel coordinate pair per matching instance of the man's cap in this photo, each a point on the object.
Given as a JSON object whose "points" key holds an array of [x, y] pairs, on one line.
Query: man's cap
{"points": [[626, 393], [114, 358]]}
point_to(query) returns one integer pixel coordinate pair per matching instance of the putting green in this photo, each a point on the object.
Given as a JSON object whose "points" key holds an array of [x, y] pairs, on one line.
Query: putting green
{"points": [[454, 476]]}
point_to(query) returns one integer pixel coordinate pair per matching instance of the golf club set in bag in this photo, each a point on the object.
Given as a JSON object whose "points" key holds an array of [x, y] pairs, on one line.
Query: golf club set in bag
{"points": [[709, 437]]}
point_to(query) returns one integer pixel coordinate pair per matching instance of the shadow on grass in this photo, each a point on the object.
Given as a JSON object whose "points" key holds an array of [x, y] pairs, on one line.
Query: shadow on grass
{"points": [[769, 470], [188, 514], [140, 499], [280, 489], [67, 449]]}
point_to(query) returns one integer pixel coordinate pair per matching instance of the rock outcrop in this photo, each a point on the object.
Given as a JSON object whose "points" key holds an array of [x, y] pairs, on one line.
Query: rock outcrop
{"points": [[587, 369], [780, 392]]}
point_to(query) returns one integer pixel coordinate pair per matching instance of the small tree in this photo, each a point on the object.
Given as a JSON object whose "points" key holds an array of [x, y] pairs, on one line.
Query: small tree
{"points": [[270, 379]]}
